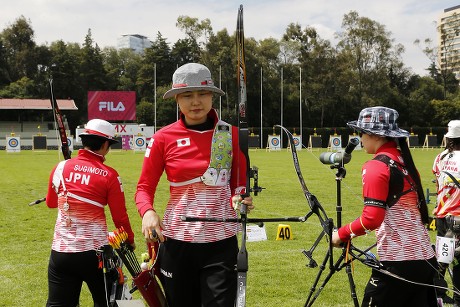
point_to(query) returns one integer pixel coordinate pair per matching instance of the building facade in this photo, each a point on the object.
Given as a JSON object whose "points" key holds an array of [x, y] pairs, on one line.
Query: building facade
{"points": [[449, 40], [135, 42]]}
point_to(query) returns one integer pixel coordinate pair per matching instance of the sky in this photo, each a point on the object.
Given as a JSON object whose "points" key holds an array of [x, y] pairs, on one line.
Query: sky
{"points": [[69, 20]]}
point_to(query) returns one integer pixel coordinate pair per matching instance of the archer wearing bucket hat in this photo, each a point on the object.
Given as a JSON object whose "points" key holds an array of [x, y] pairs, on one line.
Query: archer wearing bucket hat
{"points": [[80, 188], [101, 129], [205, 168], [192, 77], [395, 207], [446, 168], [380, 121]]}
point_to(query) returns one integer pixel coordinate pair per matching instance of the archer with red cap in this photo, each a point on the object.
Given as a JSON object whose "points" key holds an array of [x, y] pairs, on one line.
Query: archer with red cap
{"points": [[80, 188]]}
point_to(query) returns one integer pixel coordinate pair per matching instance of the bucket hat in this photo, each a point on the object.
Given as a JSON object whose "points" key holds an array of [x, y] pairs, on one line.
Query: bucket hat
{"points": [[100, 128], [192, 77], [453, 129], [379, 121]]}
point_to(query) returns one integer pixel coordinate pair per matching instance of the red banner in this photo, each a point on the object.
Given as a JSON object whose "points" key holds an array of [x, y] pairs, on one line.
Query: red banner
{"points": [[112, 105]]}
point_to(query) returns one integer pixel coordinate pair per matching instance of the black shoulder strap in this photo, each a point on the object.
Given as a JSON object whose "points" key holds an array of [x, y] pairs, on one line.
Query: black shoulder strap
{"points": [[397, 176], [453, 179]]}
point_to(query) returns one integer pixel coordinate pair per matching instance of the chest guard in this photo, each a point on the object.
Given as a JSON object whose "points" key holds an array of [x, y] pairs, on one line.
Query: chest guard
{"points": [[220, 163]]}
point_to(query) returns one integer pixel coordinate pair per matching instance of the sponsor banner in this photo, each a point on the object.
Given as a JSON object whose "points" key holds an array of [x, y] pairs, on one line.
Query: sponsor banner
{"points": [[112, 105], [13, 144]]}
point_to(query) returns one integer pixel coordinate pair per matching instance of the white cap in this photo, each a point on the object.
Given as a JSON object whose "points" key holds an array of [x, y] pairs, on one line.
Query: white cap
{"points": [[101, 128], [453, 129]]}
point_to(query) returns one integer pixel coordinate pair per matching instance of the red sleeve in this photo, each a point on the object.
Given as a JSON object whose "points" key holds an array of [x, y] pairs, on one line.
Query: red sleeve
{"points": [[117, 205], [152, 169], [375, 179], [239, 166], [370, 219], [51, 195]]}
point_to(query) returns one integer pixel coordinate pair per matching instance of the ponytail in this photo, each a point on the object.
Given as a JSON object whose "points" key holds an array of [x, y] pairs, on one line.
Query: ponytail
{"points": [[410, 166]]}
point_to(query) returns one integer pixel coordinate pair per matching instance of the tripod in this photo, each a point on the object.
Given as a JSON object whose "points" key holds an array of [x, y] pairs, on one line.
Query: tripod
{"points": [[339, 263]]}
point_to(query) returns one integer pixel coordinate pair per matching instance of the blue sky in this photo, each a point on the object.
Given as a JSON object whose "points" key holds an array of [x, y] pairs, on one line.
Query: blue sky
{"points": [[52, 20]]}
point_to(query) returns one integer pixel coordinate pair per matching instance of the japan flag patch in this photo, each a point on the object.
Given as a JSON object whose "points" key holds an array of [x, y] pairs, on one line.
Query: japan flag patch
{"points": [[183, 142]]}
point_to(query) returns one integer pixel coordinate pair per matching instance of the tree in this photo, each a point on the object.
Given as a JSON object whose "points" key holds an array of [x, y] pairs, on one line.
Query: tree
{"points": [[366, 48], [4, 66], [159, 56], [219, 57], [317, 59], [21, 88], [185, 51], [194, 29], [19, 47], [421, 109], [445, 111], [92, 65], [122, 67]]}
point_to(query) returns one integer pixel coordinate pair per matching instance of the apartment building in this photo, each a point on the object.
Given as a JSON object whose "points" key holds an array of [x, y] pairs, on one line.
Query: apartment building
{"points": [[135, 42], [448, 28]]}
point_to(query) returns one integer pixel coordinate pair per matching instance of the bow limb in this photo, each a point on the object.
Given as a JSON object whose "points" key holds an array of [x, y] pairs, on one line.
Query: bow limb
{"points": [[62, 134], [313, 202], [60, 123]]}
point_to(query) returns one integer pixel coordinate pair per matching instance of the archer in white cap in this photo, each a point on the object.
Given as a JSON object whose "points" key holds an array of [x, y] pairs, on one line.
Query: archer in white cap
{"points": [[205, 169], [80, 188], [395, 207], [446, 168]]}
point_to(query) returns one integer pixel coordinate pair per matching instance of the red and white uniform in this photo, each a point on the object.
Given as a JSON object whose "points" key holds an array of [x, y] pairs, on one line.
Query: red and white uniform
{"points": [[184, 154], [448, 199], [400, 232], [84, 186]]}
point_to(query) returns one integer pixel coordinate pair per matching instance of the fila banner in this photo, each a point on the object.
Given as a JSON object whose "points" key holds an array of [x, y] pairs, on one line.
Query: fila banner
{"points": [[112, 105]]}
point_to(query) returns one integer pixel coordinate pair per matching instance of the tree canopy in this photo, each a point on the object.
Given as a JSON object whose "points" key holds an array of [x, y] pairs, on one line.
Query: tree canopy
{"points": [[330, 84]]}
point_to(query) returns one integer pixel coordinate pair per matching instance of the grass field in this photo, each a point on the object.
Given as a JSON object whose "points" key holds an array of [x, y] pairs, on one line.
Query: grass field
{"points": [[277, 274]]}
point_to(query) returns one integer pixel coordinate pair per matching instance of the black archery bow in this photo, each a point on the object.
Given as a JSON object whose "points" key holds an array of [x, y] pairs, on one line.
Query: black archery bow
{"points": [[327, 224], [60, 123], [62, 133], [242, 259]]}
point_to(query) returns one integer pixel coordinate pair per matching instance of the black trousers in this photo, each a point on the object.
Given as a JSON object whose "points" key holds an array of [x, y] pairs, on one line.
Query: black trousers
{"points": [[199, 274], [66, 274], [383, 290]]}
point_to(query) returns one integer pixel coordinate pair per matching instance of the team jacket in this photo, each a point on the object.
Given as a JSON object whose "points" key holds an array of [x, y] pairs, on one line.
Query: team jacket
{"points": [[80, 188], [184, 154], [400, 232], [448, 199]]}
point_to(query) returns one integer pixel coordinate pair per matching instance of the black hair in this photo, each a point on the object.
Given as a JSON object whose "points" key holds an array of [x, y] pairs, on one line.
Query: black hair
{"points": [[452, 144], [93, 142], [414, 174]]}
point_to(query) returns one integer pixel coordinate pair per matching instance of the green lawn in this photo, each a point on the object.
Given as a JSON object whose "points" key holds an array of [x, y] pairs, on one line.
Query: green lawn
{"points": [[277, 274]]}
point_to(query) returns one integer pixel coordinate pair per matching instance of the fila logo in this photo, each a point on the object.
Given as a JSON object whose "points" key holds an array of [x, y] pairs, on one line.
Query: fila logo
{"points": [[110, 106], [183, 142]]}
